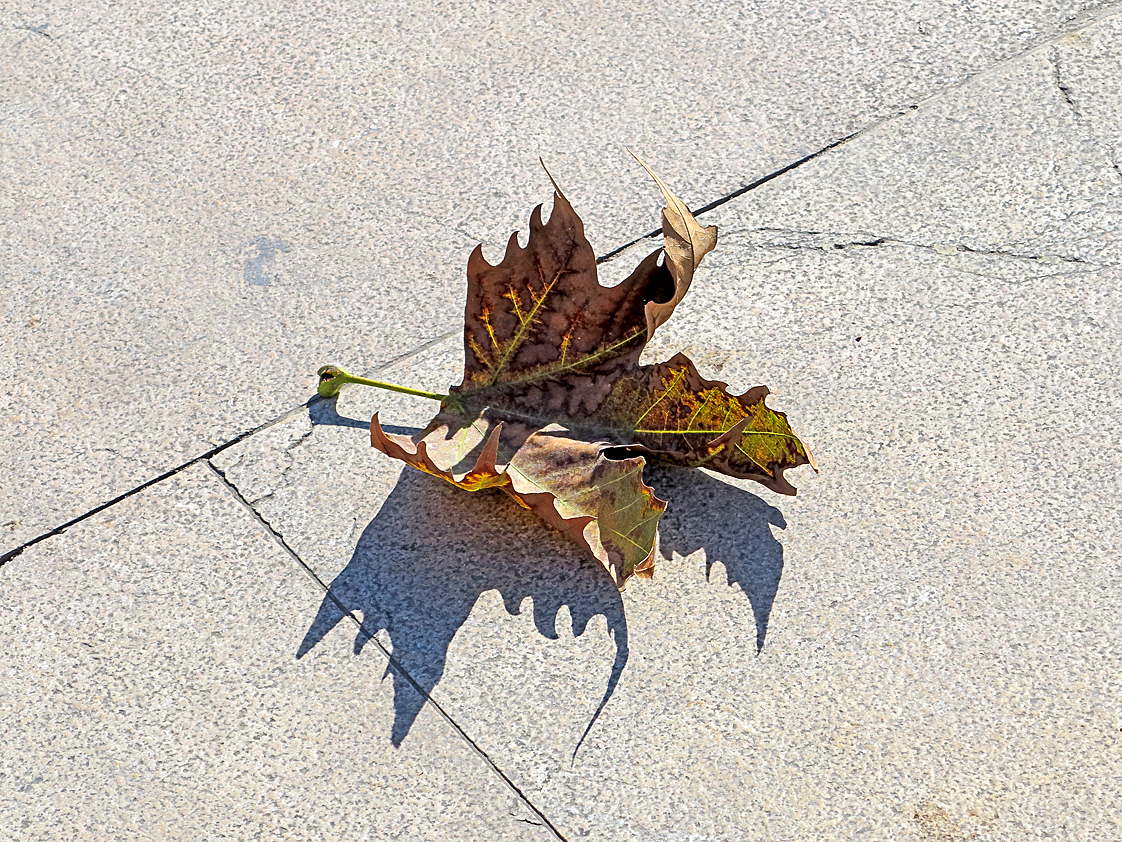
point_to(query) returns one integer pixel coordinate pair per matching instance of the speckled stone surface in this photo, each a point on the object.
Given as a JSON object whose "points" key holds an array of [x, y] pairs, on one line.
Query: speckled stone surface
{"points": [[922, 644], [204, 203], [1020, 160], [936, 610], [1088, 63], [150, 689]]}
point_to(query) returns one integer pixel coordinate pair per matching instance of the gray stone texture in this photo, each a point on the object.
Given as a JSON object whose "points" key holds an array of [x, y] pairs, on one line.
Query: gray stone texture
{"points": [[935, 614], [1087, 65], [203, 204], [1005, 163], [151, 690]]}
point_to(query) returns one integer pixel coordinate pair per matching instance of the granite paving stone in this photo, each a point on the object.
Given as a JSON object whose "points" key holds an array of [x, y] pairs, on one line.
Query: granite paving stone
{"points": [[202, 202], [1007, 163], [151, 690], [922, 644], [1087, 65], [935, 611]]}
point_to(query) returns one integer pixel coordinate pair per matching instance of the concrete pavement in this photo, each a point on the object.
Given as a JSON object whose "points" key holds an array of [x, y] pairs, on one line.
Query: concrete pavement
{"points": [[201, 205]]}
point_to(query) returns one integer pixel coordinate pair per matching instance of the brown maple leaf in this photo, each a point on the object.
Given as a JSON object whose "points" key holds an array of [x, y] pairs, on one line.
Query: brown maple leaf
{"points": [[555, 409]]}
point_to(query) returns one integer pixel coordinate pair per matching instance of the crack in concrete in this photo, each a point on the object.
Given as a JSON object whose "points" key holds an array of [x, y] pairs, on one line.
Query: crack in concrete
{"points": [[303, 438], [841, 241], [114, 452], [1039, 258], [286, 453], [833, 245], [279, 539], [41, 29], [1065, 91], [282, 480], [1081, 120]]}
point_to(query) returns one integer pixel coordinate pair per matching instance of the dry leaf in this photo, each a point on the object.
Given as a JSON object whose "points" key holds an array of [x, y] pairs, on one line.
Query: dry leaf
{"points": [[555, 409]]}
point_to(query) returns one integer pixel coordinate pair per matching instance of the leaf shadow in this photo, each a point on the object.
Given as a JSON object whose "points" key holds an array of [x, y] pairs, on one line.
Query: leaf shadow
{"points": [[425, 559], [731, 525], [419, 584], [324, 412]]}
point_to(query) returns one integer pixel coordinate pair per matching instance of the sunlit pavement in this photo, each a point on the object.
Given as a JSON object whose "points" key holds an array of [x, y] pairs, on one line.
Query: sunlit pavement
{"points": [[226, 616]]}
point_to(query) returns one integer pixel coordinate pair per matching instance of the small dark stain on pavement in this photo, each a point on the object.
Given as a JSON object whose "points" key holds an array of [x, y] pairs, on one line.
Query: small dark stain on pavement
{"points": [[257, 269], [936, 826], [41, 29]]}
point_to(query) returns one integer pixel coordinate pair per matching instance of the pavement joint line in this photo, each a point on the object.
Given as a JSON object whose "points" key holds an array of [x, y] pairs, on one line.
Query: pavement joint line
{"points": [[214, 451], [424, 346], [1082, 24], [738, 192], [283, 544], [168, 474], [1049, 44]]}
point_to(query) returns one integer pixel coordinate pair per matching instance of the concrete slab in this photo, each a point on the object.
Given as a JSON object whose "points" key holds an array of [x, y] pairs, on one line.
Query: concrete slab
{"points": [[151, 689], [1007, 163], [1087, 66], [934, 614], [203, 205], [934, 610], [131, 355]]}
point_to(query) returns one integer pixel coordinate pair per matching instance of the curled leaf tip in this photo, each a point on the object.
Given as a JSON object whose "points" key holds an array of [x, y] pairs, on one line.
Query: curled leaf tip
{"points": [[331, 380], [810, 458], [555, 407], [552, 180]]}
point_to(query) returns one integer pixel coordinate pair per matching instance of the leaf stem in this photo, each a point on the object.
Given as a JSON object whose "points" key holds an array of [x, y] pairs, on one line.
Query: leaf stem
{"points": [[332, 379]]}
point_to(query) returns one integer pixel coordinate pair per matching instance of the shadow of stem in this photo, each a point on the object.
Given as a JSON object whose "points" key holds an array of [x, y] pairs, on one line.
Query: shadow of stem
{"points": [[423, 562]]}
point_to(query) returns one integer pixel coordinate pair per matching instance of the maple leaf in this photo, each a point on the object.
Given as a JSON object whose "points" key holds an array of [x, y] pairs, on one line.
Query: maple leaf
{"points": [[554, 408]]}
